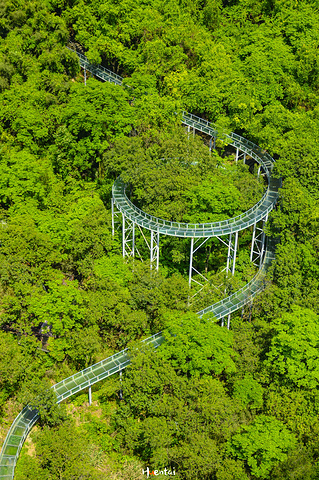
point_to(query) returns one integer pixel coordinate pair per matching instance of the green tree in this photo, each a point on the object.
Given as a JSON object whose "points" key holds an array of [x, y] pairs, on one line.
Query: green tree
{"points": [[195, 346], [62, 453], [95, 115], [249, 392], [12, 365], [293, 351], [262, 444], [85, 344], [37, 395], [192, 418]]}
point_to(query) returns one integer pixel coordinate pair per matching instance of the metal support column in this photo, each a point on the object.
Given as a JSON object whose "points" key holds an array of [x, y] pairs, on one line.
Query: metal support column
{"points": [[212, 143], [123, 236], [128, 237], [258, 243], [239, 155], [84, 76], [222, 323], [116, 220], [154, 249], [90, 395], [121, 392], [201, 280], [253, 243], [195, 245], [113, 222], [133, 239], [191, 263], [263, 241], [232, 251], [231, 264]]}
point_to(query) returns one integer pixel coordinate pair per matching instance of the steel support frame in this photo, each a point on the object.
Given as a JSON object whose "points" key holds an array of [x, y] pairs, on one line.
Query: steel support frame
{"points": [[239, 155], [154, 249], [231, 265], [212, 143], [128, 237], [189, 130], [128, 242], [196, 244], [116, 220], [121, 391], [232, 252], [228, 321], [257, 250]]}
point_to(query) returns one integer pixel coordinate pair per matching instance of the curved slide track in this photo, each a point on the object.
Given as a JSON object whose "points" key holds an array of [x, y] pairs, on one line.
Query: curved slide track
{"points": [[202, 230], [84, 379]]}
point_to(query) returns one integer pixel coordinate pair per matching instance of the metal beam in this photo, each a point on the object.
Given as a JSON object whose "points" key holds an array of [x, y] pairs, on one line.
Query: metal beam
{"points": [[90, 395], [128, 237], [257, 249], [232, 252], [116, 220], [154, 249]]}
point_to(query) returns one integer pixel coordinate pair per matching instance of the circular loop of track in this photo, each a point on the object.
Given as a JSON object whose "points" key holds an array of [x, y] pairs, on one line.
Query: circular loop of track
{"points": [[213, 229]]}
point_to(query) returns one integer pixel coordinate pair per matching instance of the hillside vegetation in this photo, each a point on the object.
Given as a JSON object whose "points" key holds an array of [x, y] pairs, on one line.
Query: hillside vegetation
{"points": [[212, 403]]}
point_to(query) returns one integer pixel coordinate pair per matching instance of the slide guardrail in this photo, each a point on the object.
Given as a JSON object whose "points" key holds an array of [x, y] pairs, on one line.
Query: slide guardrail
{"points": [[178, 229]]}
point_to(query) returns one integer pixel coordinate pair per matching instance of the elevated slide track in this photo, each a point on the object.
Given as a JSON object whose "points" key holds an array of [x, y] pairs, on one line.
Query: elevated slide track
{"points": [[84, 379]]}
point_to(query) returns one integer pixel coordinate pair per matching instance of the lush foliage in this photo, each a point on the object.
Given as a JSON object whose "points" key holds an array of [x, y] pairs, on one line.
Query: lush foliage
{"points": [[213, 404]]}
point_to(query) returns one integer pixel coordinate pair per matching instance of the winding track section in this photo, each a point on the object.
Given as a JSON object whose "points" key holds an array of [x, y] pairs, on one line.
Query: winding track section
{"points": [[23, 423], [202, 230]]}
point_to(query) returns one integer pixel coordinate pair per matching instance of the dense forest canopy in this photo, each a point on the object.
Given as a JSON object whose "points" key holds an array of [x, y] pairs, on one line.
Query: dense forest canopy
{"points": [[160, 171], [238, 404]]}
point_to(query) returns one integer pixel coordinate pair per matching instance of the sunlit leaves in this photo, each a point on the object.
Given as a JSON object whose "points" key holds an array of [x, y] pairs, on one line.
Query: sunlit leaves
{"points": [[263, 444], [294, 348], [196, 347]]}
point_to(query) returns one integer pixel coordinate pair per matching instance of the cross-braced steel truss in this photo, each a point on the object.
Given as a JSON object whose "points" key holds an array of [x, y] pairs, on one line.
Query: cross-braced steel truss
{"points": [[257, 250], [129, 248], [153, 246], [154, 249], [195, 245], [232, 251], [212, 143], [201, 280], [128, 237], [238, 156], [116, 218]]}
